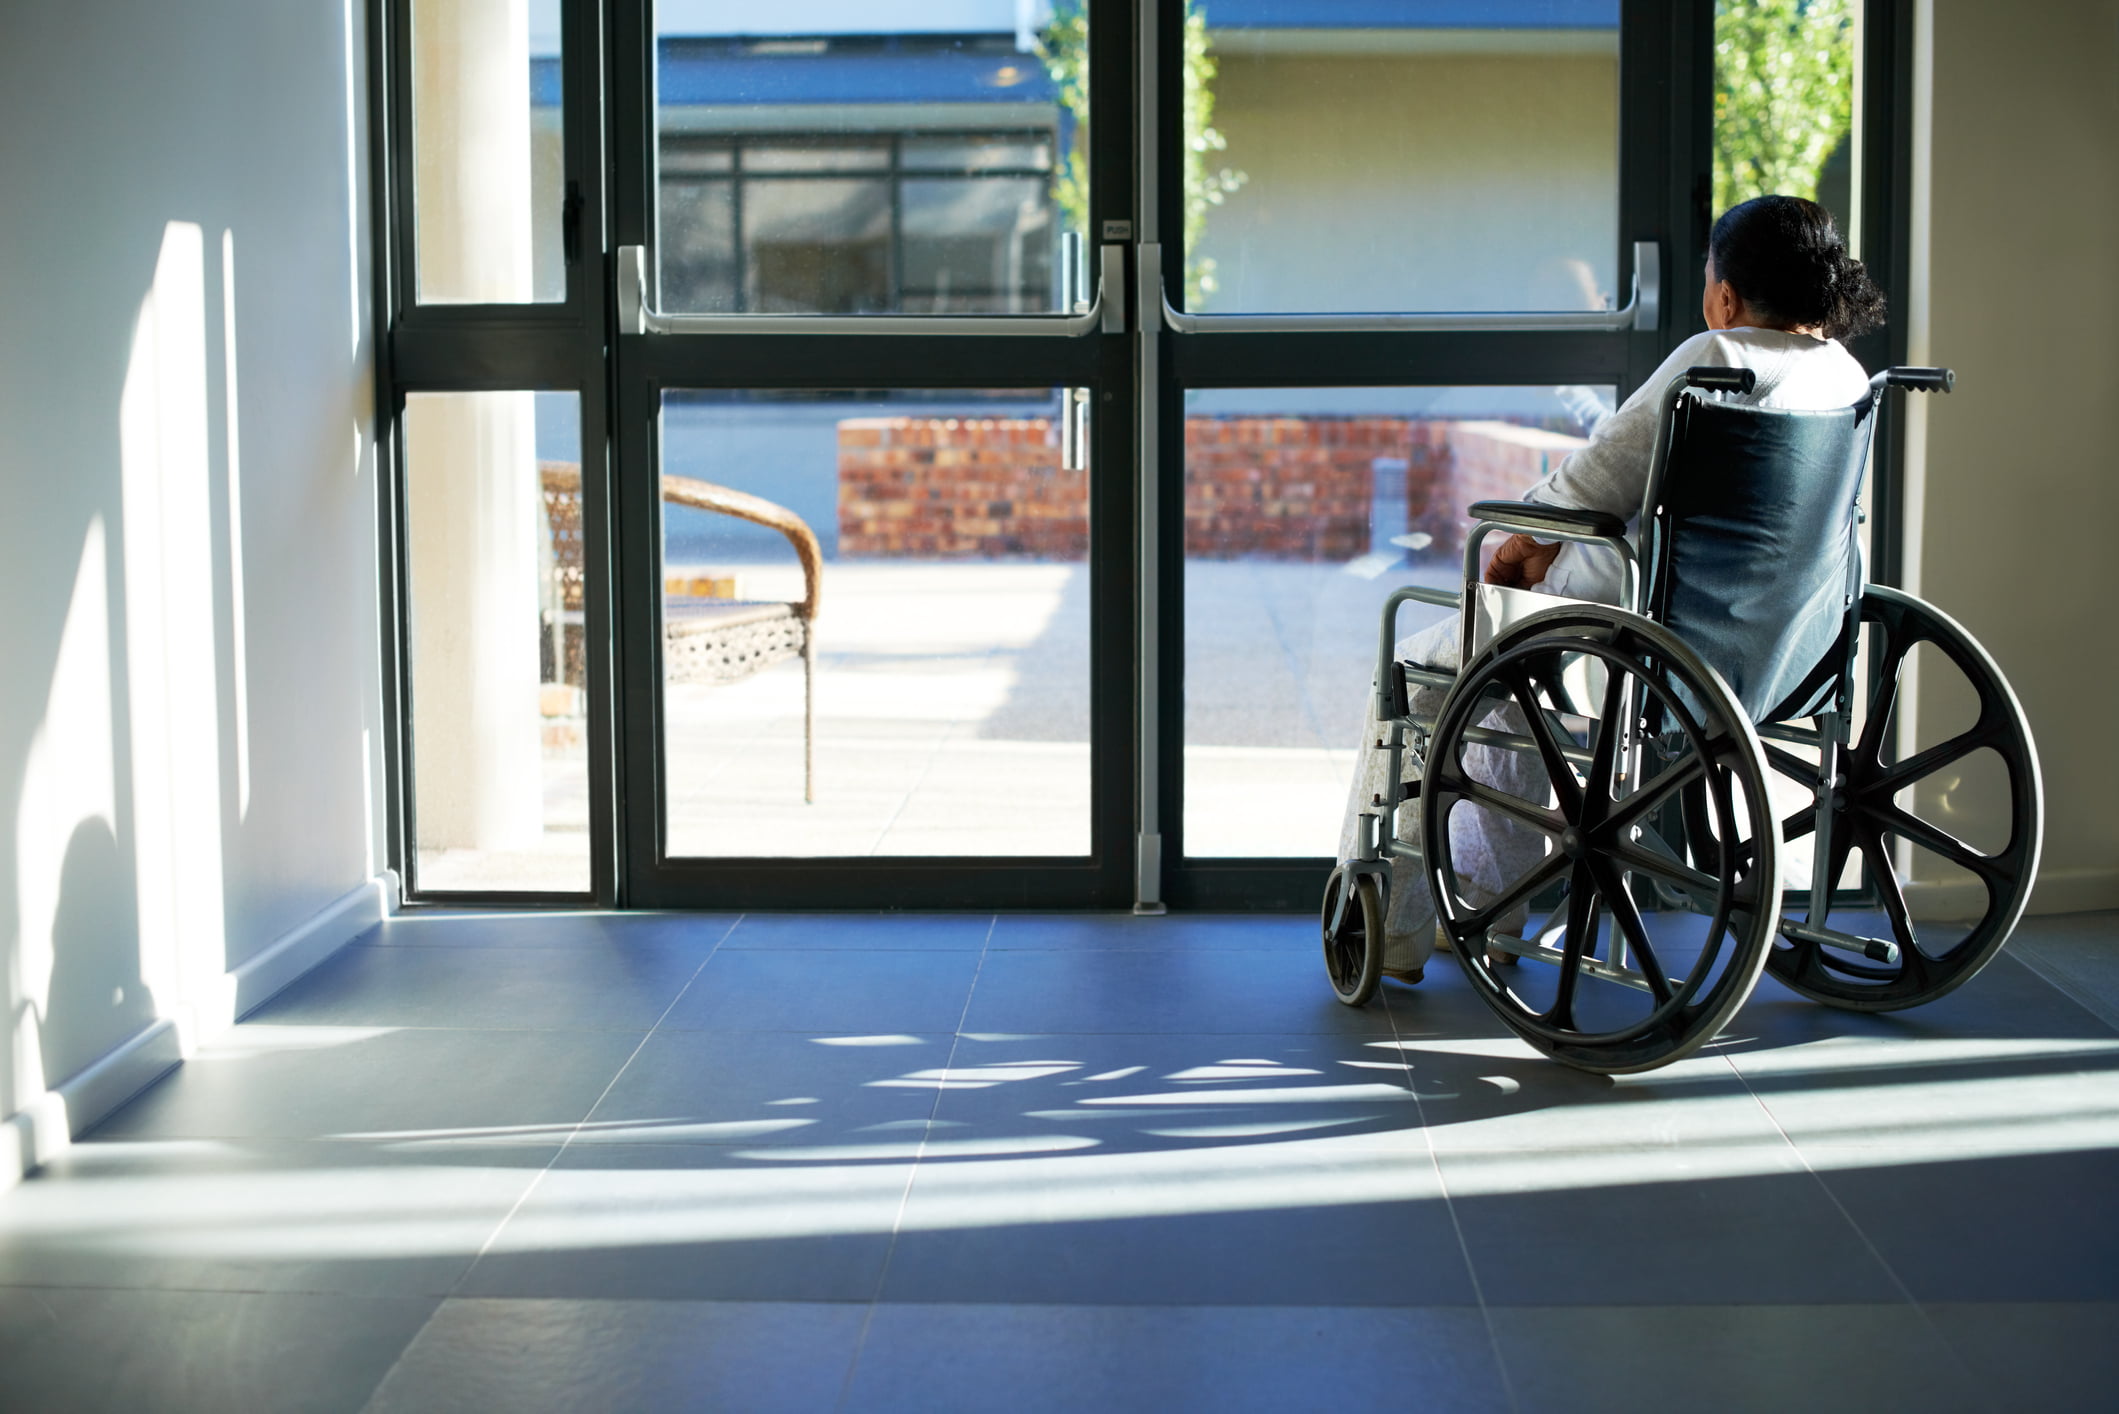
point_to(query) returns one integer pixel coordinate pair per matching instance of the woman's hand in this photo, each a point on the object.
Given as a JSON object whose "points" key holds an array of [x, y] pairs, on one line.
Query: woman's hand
{"points": [[1521, 562]]}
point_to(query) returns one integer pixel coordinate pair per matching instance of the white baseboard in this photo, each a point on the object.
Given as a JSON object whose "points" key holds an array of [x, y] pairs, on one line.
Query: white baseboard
{"points": [[46, 1125], [2057, 891]]}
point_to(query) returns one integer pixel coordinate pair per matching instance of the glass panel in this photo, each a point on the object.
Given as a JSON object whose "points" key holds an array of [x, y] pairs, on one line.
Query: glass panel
{"points": [[494, 613], [1415, 157], [1784, 102], [1304, 508], [975, 155], [816, 157], [817, 246], [972, 244], [818, 112], [699, 242], [489, 169], [949, 655]]}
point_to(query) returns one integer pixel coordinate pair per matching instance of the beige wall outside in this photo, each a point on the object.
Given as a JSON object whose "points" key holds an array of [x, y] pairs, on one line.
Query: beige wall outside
{"points": [[1417, 182]]}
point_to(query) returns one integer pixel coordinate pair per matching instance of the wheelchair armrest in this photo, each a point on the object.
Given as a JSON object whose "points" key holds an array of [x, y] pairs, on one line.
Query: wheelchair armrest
{"points": [[1536, 519]]}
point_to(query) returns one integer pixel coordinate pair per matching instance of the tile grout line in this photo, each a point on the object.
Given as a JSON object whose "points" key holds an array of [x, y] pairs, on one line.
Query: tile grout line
{"points": [[575, 1128], [897, 1222], [1449, 1206], [1919, 1307]]}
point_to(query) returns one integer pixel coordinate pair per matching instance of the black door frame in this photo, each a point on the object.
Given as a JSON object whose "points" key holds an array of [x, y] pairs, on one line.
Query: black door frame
{"points": [[607, 87], [645, 365]]}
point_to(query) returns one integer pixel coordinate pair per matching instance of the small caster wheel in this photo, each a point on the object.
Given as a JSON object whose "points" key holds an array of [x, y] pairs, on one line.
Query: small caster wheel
{"points": [[1353, 936]]}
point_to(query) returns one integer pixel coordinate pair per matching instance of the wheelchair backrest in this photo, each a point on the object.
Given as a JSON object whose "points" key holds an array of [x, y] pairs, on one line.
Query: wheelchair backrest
{"points": [[1752, 558]]}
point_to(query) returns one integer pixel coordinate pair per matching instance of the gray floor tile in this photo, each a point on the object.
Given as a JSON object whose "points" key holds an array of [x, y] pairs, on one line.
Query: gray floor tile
{"points": [[1114, 1359], [1188, 992], [2078, 953], [357, 1219], [1133, 1093], [692, 1222], [1295, 1223], [530, 1356], [1824, 1359], [2029, 1227], [623, 986], [1216, 932], [862, 932], [879, 993], [309, 1082], [559, 928], [1571, 1230], [2055, 1357], [771, 1087], [176, 1352]]}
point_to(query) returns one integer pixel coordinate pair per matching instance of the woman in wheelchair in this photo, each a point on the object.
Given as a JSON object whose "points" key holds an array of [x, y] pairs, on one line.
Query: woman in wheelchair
{"points": [[1735, 468]]}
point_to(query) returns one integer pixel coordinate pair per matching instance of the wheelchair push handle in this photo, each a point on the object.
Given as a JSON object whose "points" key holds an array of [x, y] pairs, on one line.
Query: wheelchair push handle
{"points": [[1721, 380], [1921, 380]]}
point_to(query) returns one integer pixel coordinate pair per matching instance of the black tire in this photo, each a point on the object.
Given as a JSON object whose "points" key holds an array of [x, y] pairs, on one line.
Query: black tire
{"points": [[1605, 846], [1353, 954], [1869, 817]]}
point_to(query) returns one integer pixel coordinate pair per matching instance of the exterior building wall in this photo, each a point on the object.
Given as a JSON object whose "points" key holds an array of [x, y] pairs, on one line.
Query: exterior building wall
{"points": [[1283, 488], [1452, 182]]}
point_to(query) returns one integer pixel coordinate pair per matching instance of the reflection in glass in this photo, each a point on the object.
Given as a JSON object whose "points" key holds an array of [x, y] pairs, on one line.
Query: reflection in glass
{"points": [[1304, 508], [488, 161], [494, 614], [881, 602], [840, 170], [1423, 163]]}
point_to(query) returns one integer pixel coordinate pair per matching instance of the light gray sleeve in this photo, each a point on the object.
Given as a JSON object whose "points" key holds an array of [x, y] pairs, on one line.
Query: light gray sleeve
{"points": [[1611, 473]]}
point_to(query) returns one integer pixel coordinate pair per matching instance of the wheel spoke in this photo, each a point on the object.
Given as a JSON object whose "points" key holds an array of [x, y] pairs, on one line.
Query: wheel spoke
{"points": [[1515, 806], [1670, 871], [1556, 768], [1899, 822], [1906, 772], [1883, 698], [1548, 869], [1791, 765], [1684, 772], [1581, 923], [1910, 958], [1597, 802], [1612, 887]]}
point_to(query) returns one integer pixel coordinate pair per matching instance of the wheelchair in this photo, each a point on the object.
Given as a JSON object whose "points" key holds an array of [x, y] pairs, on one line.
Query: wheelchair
{"points": [[1688, 749]]}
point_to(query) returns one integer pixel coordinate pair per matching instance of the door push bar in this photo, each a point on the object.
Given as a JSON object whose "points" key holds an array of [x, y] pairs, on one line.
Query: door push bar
{"points": [[1106, 313], [1643, 310]]}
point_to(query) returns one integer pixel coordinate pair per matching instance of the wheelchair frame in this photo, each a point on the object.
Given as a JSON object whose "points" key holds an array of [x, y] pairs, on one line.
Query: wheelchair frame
{"points": [[1858, 964]]}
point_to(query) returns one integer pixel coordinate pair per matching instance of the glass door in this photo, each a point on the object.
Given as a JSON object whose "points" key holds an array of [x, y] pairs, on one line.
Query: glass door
{"points": [[874, 401], [1407, 256]]}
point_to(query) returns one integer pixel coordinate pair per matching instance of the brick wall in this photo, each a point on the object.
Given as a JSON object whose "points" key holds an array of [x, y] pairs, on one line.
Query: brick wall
{"points": [[1289, 488], [1283, 488], [959, 488], [1457, 463]]}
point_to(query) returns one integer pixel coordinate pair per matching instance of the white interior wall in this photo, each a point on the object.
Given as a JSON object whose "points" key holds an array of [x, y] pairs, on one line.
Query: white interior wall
{"points": [[1417, 181], [189, 709], [2017, 500]]}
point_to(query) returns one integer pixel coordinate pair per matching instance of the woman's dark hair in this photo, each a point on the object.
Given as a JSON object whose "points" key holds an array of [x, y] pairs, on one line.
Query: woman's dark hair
{"points": [[1787, 260]]}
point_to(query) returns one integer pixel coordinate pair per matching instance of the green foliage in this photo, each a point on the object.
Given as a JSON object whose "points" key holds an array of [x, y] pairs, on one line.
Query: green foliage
{"points": [[1064, 47], [1783, 94], [1206, 187]]}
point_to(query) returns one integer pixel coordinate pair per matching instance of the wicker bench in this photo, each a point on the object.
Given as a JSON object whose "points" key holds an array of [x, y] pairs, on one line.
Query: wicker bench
{"points": [[703, 640]]}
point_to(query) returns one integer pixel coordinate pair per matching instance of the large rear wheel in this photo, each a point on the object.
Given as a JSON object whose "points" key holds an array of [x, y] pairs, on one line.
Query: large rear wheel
{"points": [[1550, 766], [1947, 893]]}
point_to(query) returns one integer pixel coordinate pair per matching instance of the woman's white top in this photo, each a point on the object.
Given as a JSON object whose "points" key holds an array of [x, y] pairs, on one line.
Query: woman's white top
{"points": [[1611, 473]]}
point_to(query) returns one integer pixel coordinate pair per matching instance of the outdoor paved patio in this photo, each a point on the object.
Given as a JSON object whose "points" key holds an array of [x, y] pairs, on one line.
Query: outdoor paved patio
{"points": [[953, 718]]}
